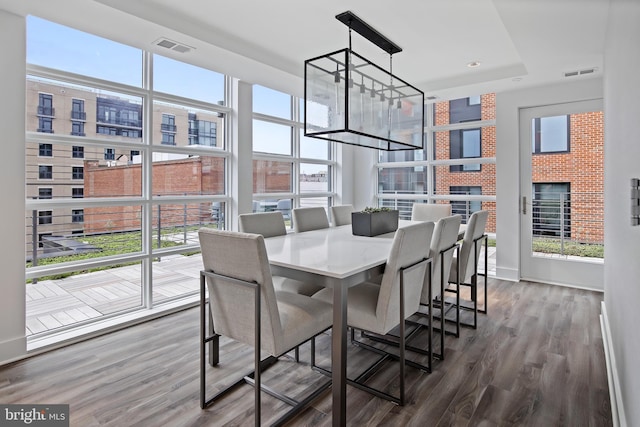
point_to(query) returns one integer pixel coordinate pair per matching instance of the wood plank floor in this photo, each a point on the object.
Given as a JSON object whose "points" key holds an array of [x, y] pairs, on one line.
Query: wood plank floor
{"points": [[536, 359]]}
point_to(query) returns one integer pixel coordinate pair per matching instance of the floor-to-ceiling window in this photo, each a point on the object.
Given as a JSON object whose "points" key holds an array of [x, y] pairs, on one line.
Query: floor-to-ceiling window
{"points": [[289, 170], [119, 176], [457, 165]]}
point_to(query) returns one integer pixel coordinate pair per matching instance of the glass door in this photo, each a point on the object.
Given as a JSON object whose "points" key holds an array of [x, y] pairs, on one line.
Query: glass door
{"points": [[561, 194]]}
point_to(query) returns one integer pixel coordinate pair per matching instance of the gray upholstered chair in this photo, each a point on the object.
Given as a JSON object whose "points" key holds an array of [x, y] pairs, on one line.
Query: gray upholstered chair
{"points": [[271, 224], [307, 219], [430, 211], [242, 301], [465, 272], [379, 308], [443, 246], [341, 215]]}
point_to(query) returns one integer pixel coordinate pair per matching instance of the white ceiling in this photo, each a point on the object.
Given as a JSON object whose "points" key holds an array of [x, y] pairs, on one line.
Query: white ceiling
{"points": [[519, 43]]}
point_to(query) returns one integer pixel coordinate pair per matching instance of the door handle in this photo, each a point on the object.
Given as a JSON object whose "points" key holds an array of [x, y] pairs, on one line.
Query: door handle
{"points": [[524, 205]]}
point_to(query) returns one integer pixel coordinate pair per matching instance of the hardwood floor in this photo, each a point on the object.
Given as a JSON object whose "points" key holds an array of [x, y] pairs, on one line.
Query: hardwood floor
{"points": [[536, 359]]}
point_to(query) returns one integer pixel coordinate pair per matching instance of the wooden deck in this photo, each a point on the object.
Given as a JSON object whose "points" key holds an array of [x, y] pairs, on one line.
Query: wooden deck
{"points": [[52, 304]]}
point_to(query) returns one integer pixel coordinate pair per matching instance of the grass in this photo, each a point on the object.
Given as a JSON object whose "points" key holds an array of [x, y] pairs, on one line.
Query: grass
{"points": [[552, 246], [109, 244]]}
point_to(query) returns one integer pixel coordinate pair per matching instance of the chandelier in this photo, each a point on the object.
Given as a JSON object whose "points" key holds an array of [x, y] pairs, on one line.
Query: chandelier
{"points": [[351, 100]]}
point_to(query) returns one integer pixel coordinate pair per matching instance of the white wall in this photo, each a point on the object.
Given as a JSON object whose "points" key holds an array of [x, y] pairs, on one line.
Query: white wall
{"points": [[508, 105], [12, 192], [622, 162]]}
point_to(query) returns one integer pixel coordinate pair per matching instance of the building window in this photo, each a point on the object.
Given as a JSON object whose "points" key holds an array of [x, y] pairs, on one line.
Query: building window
{"points": [[45, 217], [77, 172], [106, 130], [77, 128], [77, 215], [551, 134], [45, 172], [109, 154], [168, 138], [45, 193], [45, 105], [464, 110], [133, 154], [552, 209], [465, 207], [168, 123], [465, 144], [45, 150], [45, 124], [77, 110], [473, 100], [130, 133], [77, 193], [77, 152]]}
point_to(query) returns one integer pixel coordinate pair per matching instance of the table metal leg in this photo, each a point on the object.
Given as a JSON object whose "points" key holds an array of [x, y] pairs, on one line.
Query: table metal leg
{"points": [[339, 355]]}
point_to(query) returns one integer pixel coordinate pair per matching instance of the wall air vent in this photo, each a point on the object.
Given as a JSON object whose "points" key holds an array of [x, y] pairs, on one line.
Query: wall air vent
{"points": [[430, 97], [170, 44], [580, 72]]}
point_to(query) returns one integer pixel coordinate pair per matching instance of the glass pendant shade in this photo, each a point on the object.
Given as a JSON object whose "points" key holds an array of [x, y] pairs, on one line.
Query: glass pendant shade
{"points": [[351, 100]]}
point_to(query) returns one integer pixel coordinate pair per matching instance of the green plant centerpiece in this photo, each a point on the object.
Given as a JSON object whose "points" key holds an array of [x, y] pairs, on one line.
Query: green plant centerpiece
{"points": [[374, 221]]}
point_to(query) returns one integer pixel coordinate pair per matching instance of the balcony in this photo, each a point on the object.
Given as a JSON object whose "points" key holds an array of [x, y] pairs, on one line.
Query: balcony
{"points": [[78, 115], [46, 111], [164, 127], [45, 130]]}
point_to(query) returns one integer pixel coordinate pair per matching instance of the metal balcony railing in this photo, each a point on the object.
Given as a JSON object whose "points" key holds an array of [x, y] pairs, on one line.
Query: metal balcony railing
{"points": [[568, 223], [46, 111], [78, 115]]}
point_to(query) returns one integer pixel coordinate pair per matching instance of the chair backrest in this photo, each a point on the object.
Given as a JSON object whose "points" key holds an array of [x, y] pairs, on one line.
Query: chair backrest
{"points": [[475, 229], [269, 224], [445, 235], [341, 214], [430, 211], [240, 256], [307, 219], [408, 248]]}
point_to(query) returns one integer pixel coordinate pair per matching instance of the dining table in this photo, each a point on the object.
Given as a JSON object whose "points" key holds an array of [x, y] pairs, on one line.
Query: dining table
{"points": [[335, 258]]}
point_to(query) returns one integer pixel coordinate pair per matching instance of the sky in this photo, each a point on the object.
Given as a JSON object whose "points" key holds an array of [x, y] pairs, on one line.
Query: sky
{"points": [[56, 46]]}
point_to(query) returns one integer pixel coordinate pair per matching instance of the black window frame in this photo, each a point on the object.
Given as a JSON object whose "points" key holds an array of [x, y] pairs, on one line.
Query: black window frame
{"points": [[45, 217], [458, 207], [77, 215], [45, 150], [537, 142], [45, 172], [77, 172], [45, 193], [77, 152], [456, 150], [77, 193], [109, 153]]}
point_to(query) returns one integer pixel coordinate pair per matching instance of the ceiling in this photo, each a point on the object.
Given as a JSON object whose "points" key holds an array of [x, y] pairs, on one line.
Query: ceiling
{"points": [[519, 43]]}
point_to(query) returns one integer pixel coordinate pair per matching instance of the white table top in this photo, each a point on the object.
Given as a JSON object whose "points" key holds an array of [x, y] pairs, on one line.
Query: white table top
{"points": [[333, 252]]}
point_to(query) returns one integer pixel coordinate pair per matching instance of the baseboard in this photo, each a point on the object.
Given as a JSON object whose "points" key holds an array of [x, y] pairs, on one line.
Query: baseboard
{"points": [[510, 274], [615, 394], [13, 350]]}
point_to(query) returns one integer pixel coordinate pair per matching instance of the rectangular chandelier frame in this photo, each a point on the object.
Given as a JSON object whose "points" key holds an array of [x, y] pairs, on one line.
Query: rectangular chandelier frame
{"points": [[351, 100]]}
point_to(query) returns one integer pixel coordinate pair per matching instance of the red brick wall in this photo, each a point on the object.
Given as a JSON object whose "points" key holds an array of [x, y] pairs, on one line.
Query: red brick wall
{"points": [[583, 168], [195, 175], [486, 177]]}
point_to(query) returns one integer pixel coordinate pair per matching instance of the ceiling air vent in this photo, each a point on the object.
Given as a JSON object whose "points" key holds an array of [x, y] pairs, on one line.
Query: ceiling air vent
{"points": [[580, 72], [431, 97], [170, 44]]}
